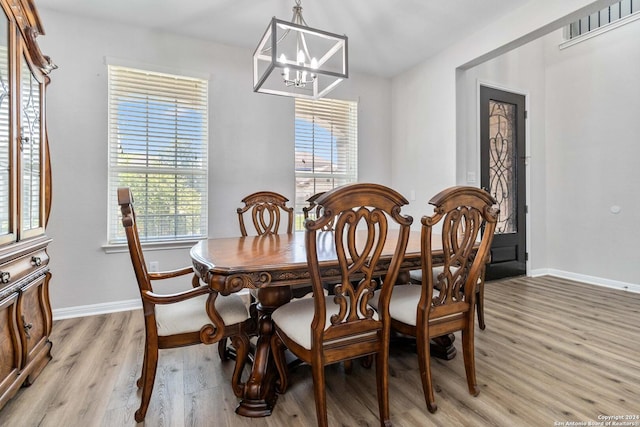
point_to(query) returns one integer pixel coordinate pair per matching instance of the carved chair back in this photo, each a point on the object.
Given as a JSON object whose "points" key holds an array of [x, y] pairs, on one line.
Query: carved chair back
{"points": [[361, 215], [313, 210], [463, 212], [266, 210], [143, 278]]}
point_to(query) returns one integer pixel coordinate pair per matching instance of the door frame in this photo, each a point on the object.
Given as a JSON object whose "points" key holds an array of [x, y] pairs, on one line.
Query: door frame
{"points": [[527, 161]]}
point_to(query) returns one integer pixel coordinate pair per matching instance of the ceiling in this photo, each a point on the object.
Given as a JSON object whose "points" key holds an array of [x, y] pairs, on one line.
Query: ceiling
{"points": [[386, 37]]}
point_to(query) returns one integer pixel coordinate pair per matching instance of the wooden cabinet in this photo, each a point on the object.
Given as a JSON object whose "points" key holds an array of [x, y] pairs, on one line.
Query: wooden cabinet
{"points": [[25, 199]]}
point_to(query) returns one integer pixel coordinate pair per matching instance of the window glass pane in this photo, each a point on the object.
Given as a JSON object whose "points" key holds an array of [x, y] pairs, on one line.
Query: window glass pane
{"points": [[158, 136], [326, 148]]}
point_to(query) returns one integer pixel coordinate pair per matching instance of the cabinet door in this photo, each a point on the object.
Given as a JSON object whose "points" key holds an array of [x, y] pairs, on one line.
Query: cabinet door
{"points": [[31, 152], [10, 348], [7, 181], [34, 323]]}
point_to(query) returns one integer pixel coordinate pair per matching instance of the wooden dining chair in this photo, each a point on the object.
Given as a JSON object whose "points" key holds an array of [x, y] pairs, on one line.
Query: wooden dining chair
{"points": [[197, 315], [416, 278], [445, 301], [266, 210], [328, 329], [269, 215], [313, 211]]}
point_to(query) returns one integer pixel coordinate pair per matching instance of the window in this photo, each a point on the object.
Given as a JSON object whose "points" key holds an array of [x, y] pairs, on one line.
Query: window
{"points": [[158, 147], [604, 17], [326, 134]]}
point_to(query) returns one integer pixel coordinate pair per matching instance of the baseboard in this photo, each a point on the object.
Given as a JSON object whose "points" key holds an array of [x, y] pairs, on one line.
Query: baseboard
{"points": [[94, 309], [592, 280]]}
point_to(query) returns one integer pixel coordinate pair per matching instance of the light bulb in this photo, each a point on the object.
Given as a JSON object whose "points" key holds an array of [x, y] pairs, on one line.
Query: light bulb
{"points": [[285, 73], [304, 76], [301, 56], [314, 63], [282, 58]]}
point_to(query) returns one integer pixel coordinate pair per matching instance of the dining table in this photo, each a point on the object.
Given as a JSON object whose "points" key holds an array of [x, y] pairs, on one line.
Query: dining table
{"points": [[272, 264]]}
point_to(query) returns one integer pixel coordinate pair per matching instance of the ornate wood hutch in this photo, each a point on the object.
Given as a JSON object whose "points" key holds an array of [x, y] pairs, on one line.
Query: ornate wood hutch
{"points": [[25, 199]]}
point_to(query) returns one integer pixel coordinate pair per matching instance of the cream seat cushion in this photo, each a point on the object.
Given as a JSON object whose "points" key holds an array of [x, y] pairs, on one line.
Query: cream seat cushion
{"points": [[416, 275], [191, 315], [294, 319], [403, 305]]}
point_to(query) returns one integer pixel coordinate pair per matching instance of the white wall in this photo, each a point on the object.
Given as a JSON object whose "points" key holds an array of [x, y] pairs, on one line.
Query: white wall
{"points": [[424, 98], [582, 146], [572, 232], [251, 144], [593, 147]]}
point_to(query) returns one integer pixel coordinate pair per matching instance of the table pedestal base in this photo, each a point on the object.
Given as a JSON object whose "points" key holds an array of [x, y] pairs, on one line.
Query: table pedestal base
{"points": [[256, 408], [260, 394]]}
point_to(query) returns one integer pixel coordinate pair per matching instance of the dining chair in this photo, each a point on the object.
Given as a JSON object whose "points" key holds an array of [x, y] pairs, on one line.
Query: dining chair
{"points": [[196, 315], [416, 278], [266, 210], [328, 329], [269, 213], [444, 302]]}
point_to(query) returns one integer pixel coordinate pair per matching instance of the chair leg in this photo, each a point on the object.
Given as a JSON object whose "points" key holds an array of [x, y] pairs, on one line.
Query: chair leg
{"points": [[150, 364], [367, 361], [382, 381], [241, 343], [469, 360], [319, 393], [348, 366], [480, 305], [277, 351], [222, 350], [424, 362], [140, 380]]}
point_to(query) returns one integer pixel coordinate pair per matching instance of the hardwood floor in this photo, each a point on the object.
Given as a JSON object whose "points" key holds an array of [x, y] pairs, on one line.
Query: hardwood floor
{"points": [[553, 351]]}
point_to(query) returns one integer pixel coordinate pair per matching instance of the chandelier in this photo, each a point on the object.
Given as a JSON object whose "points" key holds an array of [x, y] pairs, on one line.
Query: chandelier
{"points": [[293, 59]]}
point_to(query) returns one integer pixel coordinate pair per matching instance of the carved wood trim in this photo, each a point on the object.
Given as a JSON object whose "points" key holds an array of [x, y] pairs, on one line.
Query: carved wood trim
{"points": [[27, 19]]}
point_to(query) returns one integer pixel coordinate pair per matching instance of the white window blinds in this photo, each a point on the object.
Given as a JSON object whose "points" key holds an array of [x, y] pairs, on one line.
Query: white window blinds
{"points": [[158, 147], [326, 148]]}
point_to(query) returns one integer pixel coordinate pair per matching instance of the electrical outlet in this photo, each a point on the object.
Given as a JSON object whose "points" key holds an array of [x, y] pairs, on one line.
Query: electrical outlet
{"points": [[154, 266]]}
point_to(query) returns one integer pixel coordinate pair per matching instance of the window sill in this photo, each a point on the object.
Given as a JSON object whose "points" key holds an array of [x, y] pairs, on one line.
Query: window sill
{"points": [[151, 246]]}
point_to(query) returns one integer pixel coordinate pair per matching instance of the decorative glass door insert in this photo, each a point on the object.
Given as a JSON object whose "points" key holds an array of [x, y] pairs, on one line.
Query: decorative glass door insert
{"points": [[502, 161], [5, 148], [30, 149]]}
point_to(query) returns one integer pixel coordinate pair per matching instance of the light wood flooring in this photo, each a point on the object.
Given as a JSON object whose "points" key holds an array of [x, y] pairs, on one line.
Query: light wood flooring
{"points": [[554, 351]]}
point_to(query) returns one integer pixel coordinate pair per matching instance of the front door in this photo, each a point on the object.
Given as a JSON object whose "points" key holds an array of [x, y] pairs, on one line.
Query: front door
{"points": [[502, 158]]}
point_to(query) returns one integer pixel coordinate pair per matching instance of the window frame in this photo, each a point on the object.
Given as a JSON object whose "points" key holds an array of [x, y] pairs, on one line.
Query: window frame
{"points": [[336, 123], [161, 92], [623, 17]]}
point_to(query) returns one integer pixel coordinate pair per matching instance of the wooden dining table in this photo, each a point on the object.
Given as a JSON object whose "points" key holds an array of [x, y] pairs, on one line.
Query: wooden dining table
{"points": [[272, 264]]}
